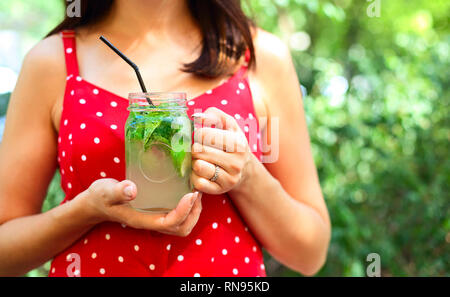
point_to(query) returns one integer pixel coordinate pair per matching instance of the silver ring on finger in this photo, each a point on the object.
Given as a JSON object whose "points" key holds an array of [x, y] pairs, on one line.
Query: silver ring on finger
{"points": [[216, 174]]}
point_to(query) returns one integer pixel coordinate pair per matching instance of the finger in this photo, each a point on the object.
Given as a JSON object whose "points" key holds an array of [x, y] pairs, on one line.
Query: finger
{"points": [[205, 185], [180, 213], [207, 170], [203, 168], [125, 214], [217, 118], [214, 156], [193, 216], [228, 122], [122, 192], [205, 120], [226, 140]]}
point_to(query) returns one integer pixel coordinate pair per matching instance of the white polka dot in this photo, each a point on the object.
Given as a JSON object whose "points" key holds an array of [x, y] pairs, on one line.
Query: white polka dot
{"points": [[246, 128], [120, 258], [94, 255], [65, 122], [71, 142], [254, 249], [255, 147], [82, 101], [69, 185], [209, 92], [59, 159], [53, 270], [168, 247], [62, 171], [228, 220], [107, 236], [113, 103], [63, 153], [76, 272], [214, 225], [241, 86], [250, 116], [99, 114], [262, 266], [97, 140], [69, 50], [79, 78], [236, 239], [237, 116], [72, 92], [224, 252], [151, 266], [102, 271], [117, 160], [59, 139], [95, 91], [191, 102], [71, 168], [212, 259], [247, 260], [136, 247], [223, 201], [180, 258], [238, 92], [224, 102], [114, 127], [235, 271], [196, 274], [83, 125], [102, 174], [83, 157], [198, 242], [85, 241], [69, 77]]}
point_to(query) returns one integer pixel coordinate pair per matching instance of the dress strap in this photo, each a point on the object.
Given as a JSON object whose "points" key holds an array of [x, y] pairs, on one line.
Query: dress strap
{"points": [[70, 52], [243, 70]]}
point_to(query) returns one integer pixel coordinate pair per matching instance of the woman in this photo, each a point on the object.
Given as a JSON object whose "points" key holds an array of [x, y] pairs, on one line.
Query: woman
{"points": [[235, 74]]}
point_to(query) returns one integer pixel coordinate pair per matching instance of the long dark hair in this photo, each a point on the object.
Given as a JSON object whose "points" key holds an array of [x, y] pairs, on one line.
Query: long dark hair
{"points": [[226, 32]]}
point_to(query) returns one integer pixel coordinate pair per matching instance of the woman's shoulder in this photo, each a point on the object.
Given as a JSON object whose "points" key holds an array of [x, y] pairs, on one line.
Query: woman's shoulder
{"points": [[47, 54], [270, 51], [274, 72], [44, 72]]}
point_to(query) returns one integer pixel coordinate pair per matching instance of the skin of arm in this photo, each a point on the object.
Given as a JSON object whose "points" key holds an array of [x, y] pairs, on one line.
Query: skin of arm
{"points": [[282, 201], [28, 162]]}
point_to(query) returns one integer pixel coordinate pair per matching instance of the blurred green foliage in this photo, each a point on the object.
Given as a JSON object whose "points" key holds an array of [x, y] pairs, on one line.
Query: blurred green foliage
{"points": [[377, 106]]}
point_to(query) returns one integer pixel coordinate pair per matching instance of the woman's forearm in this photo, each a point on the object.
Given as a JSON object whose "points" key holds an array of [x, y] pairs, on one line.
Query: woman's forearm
{"points": [[293, 232], [28, 242]]}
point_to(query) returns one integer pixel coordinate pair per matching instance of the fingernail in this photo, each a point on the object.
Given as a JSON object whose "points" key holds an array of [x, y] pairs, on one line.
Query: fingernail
{"points": [[128, 191], [194, 197], [197, 115]]}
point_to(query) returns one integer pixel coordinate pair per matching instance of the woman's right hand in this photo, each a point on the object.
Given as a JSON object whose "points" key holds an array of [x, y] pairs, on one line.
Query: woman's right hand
{"points": [[108, 199]]}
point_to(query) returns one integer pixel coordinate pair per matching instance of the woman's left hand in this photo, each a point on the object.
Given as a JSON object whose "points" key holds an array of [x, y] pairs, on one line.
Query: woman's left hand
{"points": [[219, 141]]}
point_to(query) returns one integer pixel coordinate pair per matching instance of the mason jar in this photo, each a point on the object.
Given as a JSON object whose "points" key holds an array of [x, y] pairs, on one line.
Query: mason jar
{"points": [[158, 140]]}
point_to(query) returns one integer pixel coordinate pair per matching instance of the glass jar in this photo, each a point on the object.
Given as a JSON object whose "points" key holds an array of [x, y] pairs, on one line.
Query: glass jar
{"points": [[158, 142]]}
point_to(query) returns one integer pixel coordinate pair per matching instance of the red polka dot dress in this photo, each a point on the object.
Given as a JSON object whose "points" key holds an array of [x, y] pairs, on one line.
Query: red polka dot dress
{"points": [[91, 146]]}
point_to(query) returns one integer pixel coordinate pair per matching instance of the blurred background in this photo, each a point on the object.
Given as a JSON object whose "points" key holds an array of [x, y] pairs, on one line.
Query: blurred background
{"points": [[375, 78]]}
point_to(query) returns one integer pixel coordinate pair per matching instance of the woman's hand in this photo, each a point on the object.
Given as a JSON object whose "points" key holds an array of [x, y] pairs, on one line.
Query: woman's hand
{"points": [[224, 145], [108, 200]]}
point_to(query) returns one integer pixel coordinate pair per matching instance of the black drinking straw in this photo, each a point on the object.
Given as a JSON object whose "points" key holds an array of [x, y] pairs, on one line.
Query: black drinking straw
{"points": [[134, 66]]}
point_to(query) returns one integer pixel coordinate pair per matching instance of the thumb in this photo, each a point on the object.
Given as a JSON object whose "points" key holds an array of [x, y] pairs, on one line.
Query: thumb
{"points": [[123, 192]]}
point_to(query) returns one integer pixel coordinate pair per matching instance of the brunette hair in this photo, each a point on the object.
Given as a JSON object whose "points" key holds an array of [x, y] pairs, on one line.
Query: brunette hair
{"points": [[226, 32]]}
